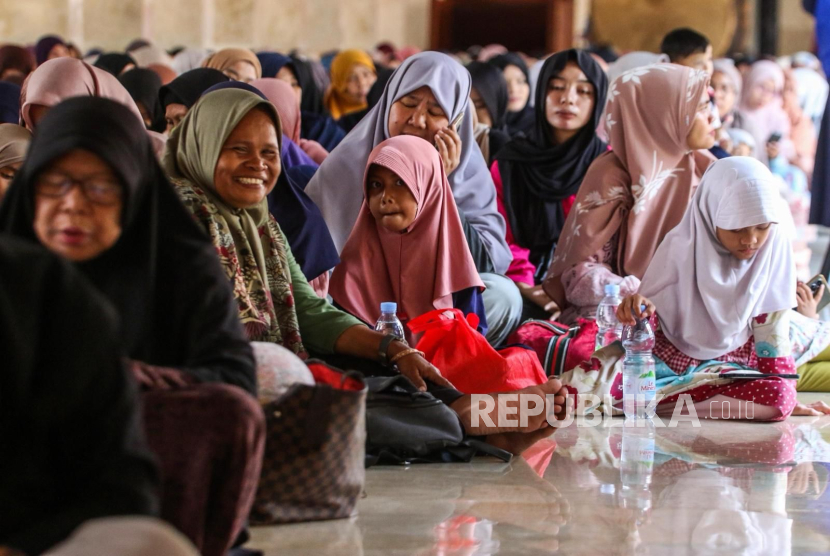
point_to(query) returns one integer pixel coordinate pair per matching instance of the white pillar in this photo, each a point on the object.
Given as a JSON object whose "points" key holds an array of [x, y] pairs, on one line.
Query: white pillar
{"points": [[208, 23], [75, 22], [147, 20]]}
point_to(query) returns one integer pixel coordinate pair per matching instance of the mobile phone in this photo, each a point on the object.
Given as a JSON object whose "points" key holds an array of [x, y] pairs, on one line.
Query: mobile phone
{"points": [[775, 137], [456, 123], [753, 375], [814, 284]]}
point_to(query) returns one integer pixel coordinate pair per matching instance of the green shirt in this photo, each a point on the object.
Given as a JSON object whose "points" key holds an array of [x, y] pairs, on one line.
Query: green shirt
{"points": [[320, 322]]}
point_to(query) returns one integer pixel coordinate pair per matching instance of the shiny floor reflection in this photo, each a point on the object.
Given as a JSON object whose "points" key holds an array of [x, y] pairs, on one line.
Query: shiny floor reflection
{"points": [[724, 488]]}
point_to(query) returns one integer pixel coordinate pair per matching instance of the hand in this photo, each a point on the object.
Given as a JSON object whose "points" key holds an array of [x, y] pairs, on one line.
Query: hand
{"points": [[629, 312], [807, 302], [448, 143], [803, 478], [773, 150], [157, 378], [417, 370], [726, 143], [815, 409], [537, 295]]}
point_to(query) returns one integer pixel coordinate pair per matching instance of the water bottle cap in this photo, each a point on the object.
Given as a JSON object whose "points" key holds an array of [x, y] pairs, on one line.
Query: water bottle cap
{"points": [[642, 308], [612, 289], [389, 307]]}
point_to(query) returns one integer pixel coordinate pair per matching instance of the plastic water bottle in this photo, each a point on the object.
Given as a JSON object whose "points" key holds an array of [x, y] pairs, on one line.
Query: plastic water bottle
{"points": [[638, 369], [388, 322], [637, 464], [609, 328]]}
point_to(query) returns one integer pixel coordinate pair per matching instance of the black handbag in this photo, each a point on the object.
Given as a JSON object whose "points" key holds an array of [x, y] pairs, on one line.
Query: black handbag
{"points": [[405, 425]]}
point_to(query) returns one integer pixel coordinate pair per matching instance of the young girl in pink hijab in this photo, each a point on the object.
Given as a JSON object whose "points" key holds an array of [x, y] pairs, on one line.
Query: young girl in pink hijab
{"points": [[408, 244]]}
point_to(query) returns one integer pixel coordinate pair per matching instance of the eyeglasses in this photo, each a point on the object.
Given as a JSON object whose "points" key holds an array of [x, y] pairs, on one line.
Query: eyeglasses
{"points": [[97, 190]]}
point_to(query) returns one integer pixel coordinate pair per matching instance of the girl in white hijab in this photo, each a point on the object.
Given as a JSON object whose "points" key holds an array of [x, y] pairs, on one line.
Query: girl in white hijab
{"points": [[722, 284]]}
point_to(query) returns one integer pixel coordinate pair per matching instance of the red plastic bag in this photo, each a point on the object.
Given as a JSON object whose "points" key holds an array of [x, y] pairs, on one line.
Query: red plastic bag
{"points": [[451, 342]]}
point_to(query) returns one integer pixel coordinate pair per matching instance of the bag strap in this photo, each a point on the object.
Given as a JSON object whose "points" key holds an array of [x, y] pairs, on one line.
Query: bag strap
{"points": [[556, 355], [489, 449]]}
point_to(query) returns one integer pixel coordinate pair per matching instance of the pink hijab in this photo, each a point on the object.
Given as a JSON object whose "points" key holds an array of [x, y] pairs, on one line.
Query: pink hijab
{"points": [[637, 193], [59, 79], [281, 95], [771, 118], [419, 269]]}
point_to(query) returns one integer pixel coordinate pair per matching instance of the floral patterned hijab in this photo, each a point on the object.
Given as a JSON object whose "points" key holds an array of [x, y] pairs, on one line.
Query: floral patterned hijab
{"points": [[250, 245], [641, 203]]}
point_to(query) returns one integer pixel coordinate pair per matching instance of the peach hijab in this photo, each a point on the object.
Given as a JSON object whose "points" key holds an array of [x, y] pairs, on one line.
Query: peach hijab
{"points": [[59, 79], [636, 194], [419, 269]]}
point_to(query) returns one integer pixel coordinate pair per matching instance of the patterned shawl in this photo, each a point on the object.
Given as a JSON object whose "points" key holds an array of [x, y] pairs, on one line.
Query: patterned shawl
{"points": [[637, 193], [250, 244]]}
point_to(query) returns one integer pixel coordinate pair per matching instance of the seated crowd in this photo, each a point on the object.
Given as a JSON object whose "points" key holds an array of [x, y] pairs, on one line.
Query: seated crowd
{"points": [[177, 228]]}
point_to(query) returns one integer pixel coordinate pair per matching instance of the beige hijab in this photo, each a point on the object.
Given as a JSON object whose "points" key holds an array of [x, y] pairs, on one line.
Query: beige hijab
{"points": [[14, 141], [636, 194], [227, 57]]}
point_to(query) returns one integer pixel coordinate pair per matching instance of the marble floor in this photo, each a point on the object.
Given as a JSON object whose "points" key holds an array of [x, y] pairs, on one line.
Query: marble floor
{"points": [[728, 488]]}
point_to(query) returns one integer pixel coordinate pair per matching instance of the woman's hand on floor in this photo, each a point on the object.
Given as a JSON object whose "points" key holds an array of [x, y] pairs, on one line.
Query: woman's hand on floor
{"points": [[628, 312], [807, 302], [815, 409], [537, 295]]}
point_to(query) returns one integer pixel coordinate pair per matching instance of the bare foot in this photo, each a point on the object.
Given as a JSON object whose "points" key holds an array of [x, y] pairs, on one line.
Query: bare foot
{"points": [[502, 412], [811, 410]]}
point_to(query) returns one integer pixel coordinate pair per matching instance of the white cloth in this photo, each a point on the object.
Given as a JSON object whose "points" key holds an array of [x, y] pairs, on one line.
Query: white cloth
{"points": [[812, 91], [706, 298]]}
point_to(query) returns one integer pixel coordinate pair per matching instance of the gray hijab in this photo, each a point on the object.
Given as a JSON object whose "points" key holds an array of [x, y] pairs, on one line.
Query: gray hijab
{"points": [[337, 187]]}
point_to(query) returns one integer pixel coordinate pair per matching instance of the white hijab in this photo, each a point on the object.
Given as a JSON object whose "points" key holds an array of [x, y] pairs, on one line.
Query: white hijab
{"points": [[337, 187], [705, 297]]}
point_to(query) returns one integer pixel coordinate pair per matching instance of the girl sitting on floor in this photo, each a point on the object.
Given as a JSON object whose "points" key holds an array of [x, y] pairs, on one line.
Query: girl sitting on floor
{"points": [[405, 244], [722, 281]]}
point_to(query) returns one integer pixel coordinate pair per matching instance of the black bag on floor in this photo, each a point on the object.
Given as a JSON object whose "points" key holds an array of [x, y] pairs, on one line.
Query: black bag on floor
{"points": [[405, 425]]}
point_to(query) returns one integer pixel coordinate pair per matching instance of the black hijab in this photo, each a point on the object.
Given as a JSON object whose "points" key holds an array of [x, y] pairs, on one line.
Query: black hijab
{"points": [[114, 62], [312, 95], [538, 175], [523, 120], [144, 86], [189, 86], [162, 275], [489, 81], [70, 431]]}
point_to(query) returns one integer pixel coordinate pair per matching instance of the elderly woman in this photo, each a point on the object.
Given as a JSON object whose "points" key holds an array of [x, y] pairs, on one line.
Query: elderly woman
{"points": [[95, 195], [224, 160], [428, 96]]}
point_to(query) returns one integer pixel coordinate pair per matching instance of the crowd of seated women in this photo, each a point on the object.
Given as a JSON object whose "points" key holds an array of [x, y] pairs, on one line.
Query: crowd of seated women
{"points": [[176, 227]]}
